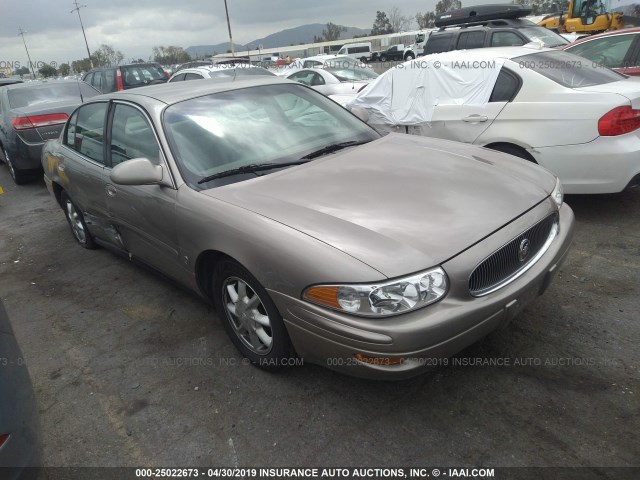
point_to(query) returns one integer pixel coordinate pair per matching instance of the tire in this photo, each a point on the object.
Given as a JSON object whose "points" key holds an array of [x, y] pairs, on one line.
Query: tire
{"points": [[409, 56], [363, 59], [250, 317], [19, 177], [383, 58], [76, 223], [513, 150]]}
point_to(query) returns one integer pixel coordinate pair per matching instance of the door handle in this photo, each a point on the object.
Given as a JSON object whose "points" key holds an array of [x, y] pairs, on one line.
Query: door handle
{"points": [[475, 118], [111, 190]]}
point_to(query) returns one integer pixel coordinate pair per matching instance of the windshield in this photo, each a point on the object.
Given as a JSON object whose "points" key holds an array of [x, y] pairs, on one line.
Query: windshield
{"points": [[547, 37], [50, 93], [568, 70], [253, 126]]}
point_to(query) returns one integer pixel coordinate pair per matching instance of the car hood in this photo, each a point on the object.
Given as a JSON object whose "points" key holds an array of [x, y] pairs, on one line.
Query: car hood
{"points": [[399, 204]]}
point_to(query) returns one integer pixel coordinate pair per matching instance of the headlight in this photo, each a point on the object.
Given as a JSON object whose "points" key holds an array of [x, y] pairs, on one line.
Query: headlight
{"points": [[382, 299], [558, 195]]}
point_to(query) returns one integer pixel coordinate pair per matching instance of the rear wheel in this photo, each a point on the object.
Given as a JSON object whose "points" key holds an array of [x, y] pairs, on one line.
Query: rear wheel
{"points": [[250, 317], [76, 222], [19, 176], [514, 150]]}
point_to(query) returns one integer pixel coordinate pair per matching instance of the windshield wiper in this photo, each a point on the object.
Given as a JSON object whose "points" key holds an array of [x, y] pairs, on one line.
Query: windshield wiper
{"points": [[251, 168], [332, 148]]}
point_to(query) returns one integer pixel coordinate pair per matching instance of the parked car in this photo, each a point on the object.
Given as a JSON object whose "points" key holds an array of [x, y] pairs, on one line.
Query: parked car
{"points": [[124, 77], [316, 61], [394, 53], [358, 51], [193, 64], [307, 237], [492, 33], [30, 114], [578, 119], [19, 423], [619, 50], [335, 81], [220, 72]]}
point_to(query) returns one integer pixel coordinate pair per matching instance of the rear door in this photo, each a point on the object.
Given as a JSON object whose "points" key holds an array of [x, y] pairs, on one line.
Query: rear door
{"points": [[465, 123], [81, 165]]}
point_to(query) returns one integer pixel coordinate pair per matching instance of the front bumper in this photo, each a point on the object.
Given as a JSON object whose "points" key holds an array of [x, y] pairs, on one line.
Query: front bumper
{"points": [[438, 331]]}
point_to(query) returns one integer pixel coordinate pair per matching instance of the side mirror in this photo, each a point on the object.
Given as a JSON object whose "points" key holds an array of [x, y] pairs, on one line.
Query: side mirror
{"points": [[361, 113], [138, 171]]}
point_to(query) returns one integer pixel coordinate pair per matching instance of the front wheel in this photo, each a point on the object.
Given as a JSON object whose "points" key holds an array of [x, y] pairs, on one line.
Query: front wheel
{"points": [[76, 222], [409, 56], [250, 317]]}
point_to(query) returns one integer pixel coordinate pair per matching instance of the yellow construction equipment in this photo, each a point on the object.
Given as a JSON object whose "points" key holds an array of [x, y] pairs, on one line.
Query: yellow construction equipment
{"points": [[584, 16]]}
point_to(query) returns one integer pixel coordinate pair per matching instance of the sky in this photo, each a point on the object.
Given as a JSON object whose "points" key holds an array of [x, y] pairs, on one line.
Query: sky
{"points": [[53, 33]]}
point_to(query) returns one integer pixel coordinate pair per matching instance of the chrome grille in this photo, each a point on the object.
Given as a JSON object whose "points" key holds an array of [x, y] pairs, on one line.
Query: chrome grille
{"points": [[504, 265]]}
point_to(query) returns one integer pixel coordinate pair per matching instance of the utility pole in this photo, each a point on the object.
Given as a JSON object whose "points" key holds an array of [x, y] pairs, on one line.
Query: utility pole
{"points": [[233, 50], [21, 34], [77, 9]]}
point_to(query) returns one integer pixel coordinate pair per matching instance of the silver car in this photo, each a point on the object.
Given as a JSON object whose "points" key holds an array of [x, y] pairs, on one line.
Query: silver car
{"points": [[312, 234]]}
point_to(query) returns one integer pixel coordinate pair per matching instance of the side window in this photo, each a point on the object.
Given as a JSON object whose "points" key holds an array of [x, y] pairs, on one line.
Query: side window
{"points": [[97, 80], [178, 78], [85, 133], [305, 77], [110, 80], [505, 39], [468, 40], [438, 44], [317, 80], [193, 76], [132, 136], [507, 86], [88, 78]]}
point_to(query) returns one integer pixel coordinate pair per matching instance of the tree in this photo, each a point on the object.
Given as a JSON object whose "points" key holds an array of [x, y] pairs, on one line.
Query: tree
{"points": [[399, 23], [170, 55], [21, 71], [81, 65], [48, 71], [381, 25], [332, 32], [106, 56], [539, 7], [64, 69], [425, 20], [446, 5]]}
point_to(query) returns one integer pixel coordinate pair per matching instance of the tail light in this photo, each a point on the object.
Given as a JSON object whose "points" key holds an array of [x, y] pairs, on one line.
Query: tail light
{"points": [[3, 439], [166, 74], [619, 121], [119, 83], [37, 121]]}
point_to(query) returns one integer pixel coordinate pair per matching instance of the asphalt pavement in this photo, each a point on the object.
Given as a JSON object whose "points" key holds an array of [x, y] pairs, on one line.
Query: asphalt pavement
{"points": [[130, 370]]}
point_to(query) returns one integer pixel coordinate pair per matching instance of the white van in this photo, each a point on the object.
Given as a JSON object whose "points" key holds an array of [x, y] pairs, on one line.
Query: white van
{"points": [[359, 51]]}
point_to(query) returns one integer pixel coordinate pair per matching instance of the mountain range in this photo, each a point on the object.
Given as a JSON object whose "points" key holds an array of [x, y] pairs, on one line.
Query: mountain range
{"points": [[291, 36]]}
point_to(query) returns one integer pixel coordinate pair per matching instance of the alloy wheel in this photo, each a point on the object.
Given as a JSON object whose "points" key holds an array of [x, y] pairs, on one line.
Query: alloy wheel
{"points": [[75, 220]]}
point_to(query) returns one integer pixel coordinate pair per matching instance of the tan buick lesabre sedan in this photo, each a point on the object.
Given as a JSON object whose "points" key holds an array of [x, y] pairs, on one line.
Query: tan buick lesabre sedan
{"points": [[311, 234]]}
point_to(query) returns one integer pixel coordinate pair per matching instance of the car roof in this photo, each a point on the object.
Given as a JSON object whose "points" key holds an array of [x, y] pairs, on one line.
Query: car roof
{"points": [[40, 83], [175, 92], [623, 31], [487, 53]]}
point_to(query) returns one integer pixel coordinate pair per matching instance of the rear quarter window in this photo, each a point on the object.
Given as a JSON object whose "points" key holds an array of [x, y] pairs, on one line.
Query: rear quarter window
{"points": [[438, 44]]}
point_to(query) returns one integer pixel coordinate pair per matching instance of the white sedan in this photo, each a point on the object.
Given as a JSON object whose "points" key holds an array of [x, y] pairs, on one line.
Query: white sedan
{"points": [[221, 71], [578, 119], [338, 80]]}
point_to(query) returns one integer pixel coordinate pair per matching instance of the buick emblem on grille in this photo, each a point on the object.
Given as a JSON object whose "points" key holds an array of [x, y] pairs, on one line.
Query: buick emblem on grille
{"points": [[523, 250]]}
